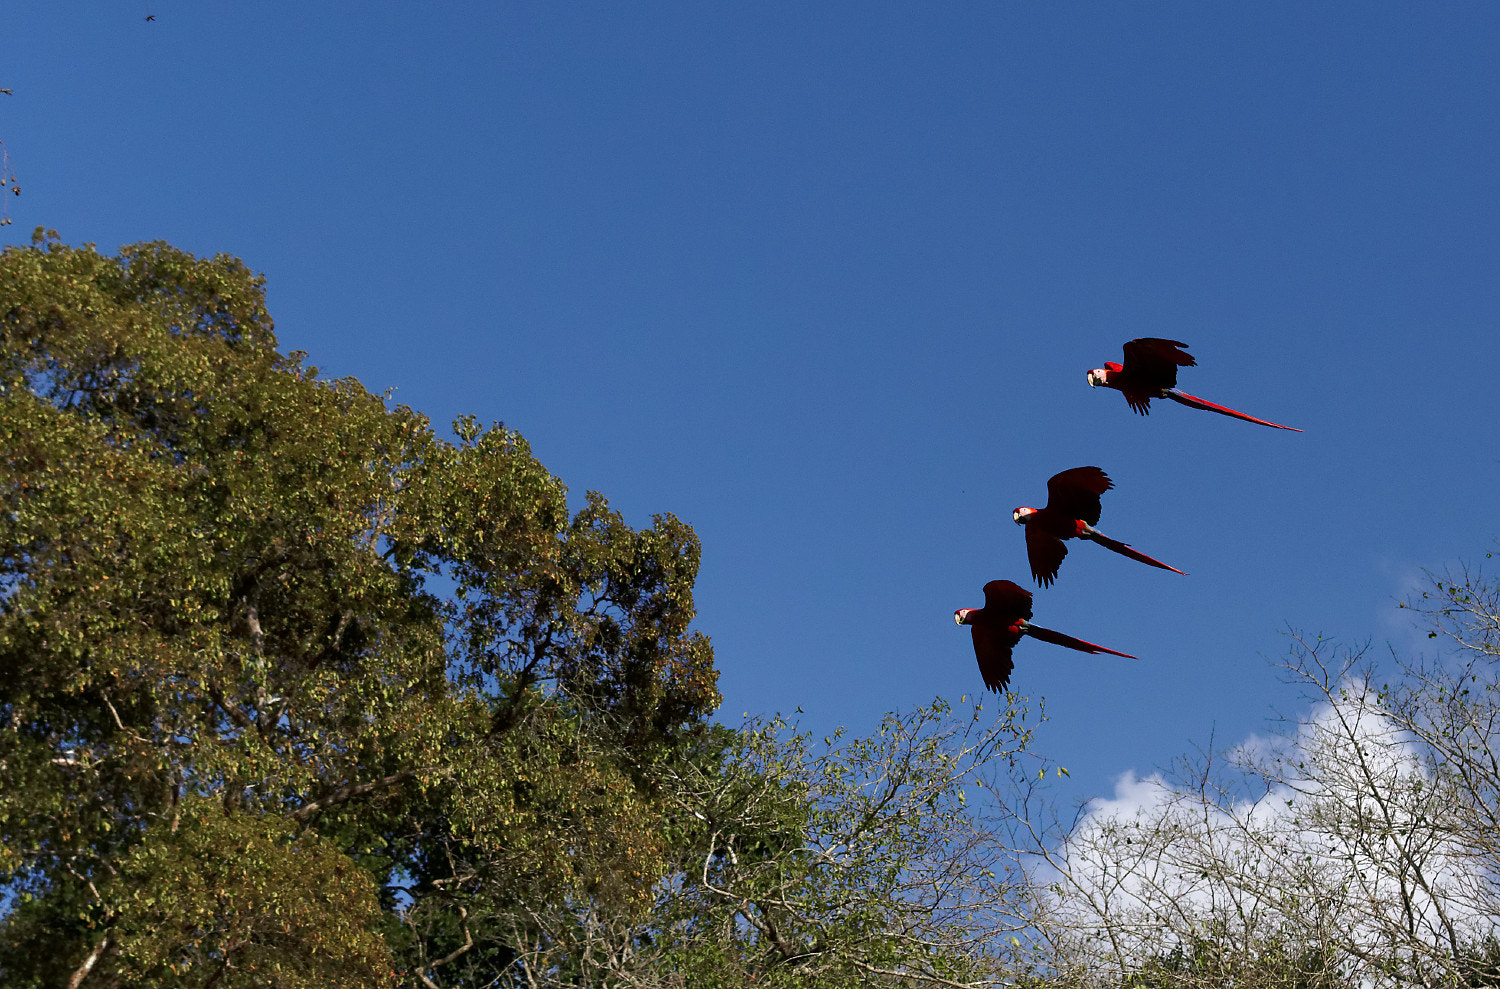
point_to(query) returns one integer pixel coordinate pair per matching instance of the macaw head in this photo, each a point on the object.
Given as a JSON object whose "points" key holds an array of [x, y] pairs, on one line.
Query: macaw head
{"points": [[1098, 376], [961, 616], [1022, 515]]}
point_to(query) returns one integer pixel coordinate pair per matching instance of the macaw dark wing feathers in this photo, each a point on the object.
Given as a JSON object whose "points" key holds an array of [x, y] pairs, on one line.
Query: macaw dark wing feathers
{"points": [[1005, 599], [1075, 493], [1152, 362], [1045, 553], [992, 648]]}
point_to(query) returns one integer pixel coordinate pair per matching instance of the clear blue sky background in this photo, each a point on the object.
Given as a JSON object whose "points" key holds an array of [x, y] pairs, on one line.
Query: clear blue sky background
{"points": [[824, 279]]}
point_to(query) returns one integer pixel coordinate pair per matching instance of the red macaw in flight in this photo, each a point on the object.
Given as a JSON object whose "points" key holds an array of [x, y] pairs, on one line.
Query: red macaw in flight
{"points": [[999, 625], [1072, 512], [1150, 371]]}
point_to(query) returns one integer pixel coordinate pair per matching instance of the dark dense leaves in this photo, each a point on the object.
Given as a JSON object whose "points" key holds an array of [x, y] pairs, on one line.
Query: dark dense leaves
{"points": [[261, 634]]}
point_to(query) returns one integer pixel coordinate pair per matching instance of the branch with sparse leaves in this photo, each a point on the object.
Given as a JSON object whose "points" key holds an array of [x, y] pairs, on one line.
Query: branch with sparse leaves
{"points": [[1360, 846]]}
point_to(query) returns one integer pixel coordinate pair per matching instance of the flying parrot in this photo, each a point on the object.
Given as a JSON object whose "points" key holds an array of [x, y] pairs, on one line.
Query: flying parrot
{"points": [[1150, 371], [999, 625], [1072, 511]]}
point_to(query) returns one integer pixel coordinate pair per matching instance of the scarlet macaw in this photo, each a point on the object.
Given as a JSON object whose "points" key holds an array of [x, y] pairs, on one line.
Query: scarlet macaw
{"points": [[999, 625], [1150, 371], [1072, 511]]}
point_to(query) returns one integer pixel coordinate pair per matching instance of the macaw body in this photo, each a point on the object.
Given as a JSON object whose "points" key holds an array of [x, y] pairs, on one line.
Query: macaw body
{"points": [[1150, 371], [1000, 624], [1073, 509]]}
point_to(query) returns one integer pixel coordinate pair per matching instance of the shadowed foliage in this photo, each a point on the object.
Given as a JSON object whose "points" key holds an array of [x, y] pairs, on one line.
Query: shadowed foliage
{"points": [[293, 690]]}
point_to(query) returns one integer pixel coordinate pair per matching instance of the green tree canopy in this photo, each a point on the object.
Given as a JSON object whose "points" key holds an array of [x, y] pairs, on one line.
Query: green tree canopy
{"points": [[296, 693], [276, 659]]}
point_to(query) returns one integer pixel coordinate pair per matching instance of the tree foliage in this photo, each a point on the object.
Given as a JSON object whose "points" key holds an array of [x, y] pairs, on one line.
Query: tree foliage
{"points": [[857, 862], [261, 634], [295, 692]]}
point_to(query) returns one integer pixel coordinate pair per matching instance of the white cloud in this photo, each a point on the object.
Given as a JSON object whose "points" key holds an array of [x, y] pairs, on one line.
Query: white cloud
{"points": [[1344, 830]]}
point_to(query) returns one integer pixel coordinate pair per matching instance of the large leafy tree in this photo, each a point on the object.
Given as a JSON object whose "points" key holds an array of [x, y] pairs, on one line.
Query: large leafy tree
{"points": [[293, 691]]}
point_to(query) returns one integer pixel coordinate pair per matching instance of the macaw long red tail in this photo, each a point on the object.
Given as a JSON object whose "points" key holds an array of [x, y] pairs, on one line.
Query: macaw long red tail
{"points": [[1124, 550], [1194, 402], [1058, 639]]}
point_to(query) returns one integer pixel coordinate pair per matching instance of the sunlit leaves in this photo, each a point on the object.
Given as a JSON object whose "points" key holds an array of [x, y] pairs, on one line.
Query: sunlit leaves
{"points": [[227, 583]]}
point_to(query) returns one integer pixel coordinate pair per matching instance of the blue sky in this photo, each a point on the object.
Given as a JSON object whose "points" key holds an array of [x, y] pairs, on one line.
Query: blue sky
{"points": [[824, 279]]}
